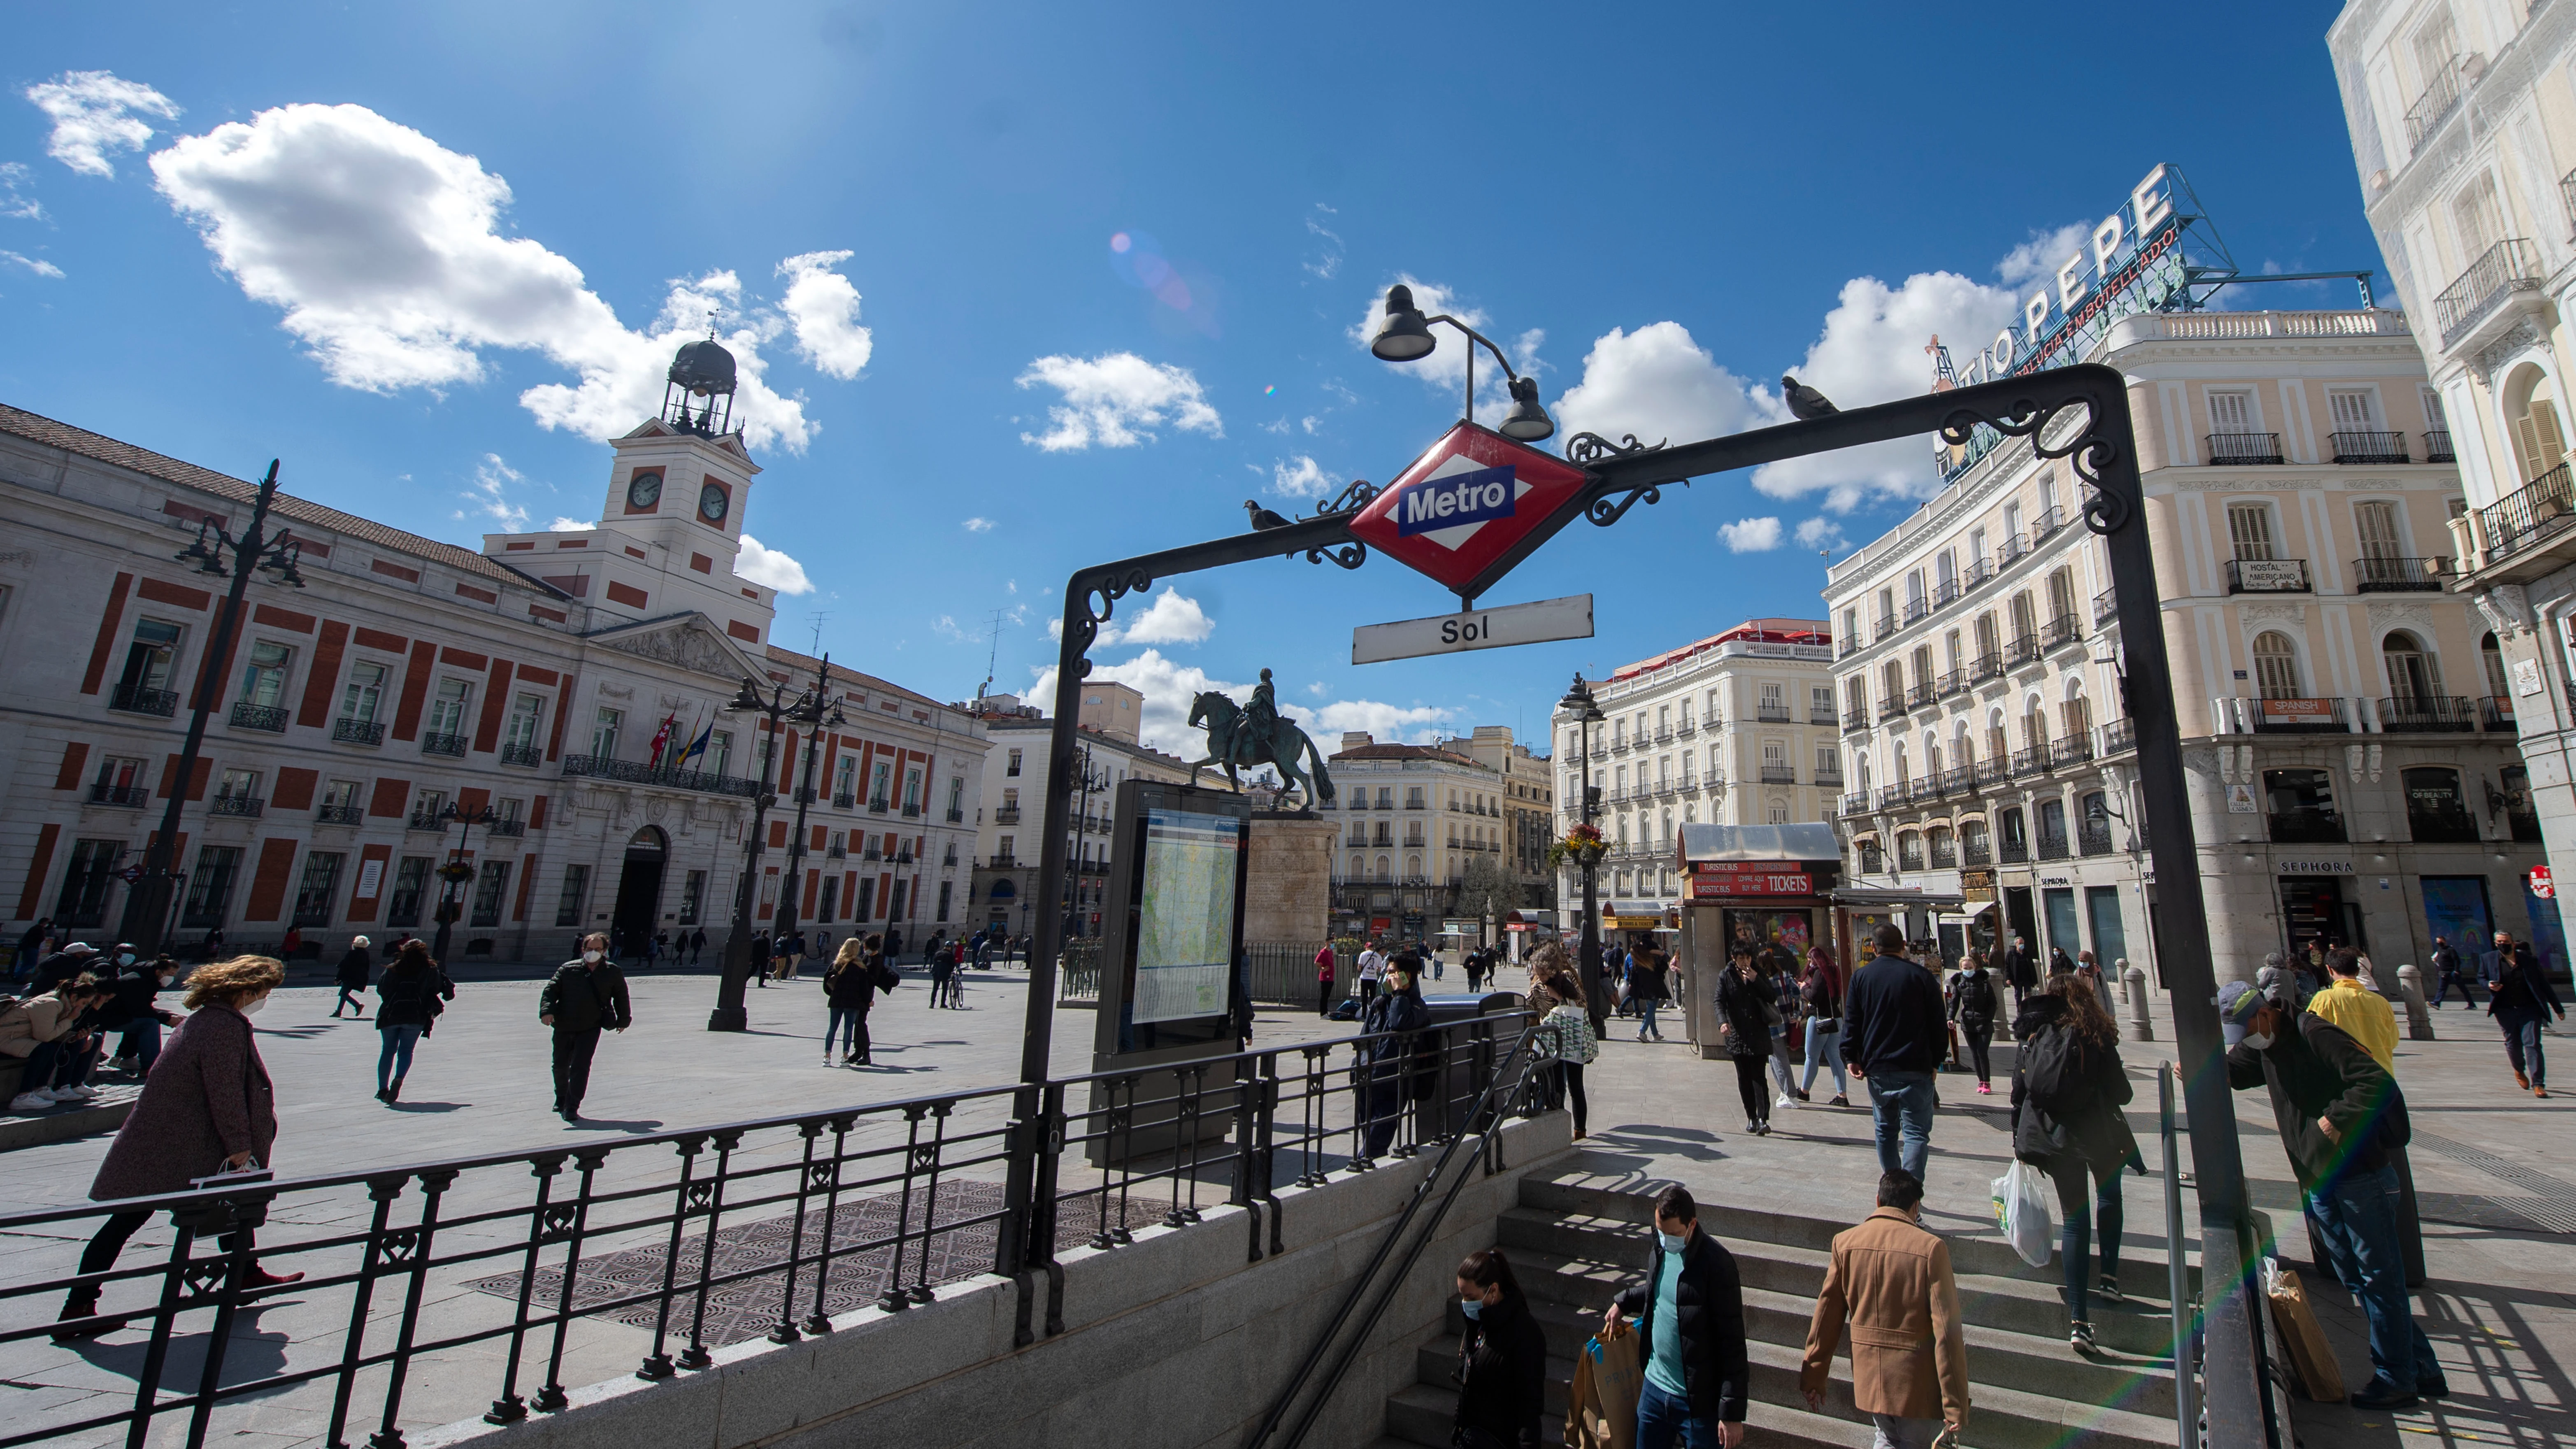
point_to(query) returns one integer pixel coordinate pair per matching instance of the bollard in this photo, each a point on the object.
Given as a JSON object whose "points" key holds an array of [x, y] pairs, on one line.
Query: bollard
{"points": [[2133, 985], [2419, 1017]]}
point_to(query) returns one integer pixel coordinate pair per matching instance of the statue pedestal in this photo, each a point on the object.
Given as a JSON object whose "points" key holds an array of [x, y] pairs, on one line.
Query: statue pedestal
{"points": [[1288, 898]]}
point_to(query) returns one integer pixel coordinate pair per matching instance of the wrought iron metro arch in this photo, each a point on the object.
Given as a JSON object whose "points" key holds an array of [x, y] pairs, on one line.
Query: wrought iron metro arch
{"points": [[2078, 413]]}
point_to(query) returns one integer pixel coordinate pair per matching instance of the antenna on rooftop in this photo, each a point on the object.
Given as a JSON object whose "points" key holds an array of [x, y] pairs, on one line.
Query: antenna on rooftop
{"points": [[992, 656], [818, 616]]}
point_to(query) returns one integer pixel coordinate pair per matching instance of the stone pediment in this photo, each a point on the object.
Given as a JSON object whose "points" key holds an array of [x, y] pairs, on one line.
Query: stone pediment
{"points": [[688, 641]]}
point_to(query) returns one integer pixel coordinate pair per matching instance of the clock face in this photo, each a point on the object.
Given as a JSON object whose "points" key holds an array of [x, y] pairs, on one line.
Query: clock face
{"points": [[711, 503], [643, 490]]}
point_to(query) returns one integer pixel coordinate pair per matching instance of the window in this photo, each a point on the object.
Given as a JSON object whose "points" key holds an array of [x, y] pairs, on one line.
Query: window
{"points": [[2434, 418], [1413, 796], [2276, 666], [2302, 806], [490, 889], [2012, 523], [1015, 763], [2249, 531], [2490, 658], [238, 785], [2539, 439], [83, 901], [364, 694], [2414, 675], [1945, 567], [313, 894], [264, 676], [2376, 522], [603, 733], [2047, 496], [881, 784], [2231, 411], [447, 707], [718, 759], [1820, 703], [411, 884], [944, 888], [1977, 543], [2352, 410], [426, 804], [341, 796], [1779, 812], [829, 908], [2435, 47], [120, 780], [1851, 626], [1825, 757], [520, 738], [210, 887], [2478, 217], [510, 810], [845, 778], [2436, 811]]}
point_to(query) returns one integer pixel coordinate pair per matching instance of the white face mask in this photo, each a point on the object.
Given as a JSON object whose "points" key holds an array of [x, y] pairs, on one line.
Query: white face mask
{"points": [[252, 1006], [2259, 1041], [590, 956], [1672, 1242]]}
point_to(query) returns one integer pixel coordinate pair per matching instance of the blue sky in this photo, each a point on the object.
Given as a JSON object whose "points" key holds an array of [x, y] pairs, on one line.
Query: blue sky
{"points": [[285, 232]]}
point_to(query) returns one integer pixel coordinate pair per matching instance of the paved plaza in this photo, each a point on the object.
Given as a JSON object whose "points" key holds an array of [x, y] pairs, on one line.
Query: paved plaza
{"points": [[2499, 1229]]}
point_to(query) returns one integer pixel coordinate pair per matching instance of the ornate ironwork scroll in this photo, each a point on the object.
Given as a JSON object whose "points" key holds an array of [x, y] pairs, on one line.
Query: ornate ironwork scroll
{"points": [[2089, 451]]}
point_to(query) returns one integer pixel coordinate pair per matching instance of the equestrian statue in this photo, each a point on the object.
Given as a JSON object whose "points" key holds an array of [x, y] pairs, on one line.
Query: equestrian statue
{"points": [[1242, 737]]}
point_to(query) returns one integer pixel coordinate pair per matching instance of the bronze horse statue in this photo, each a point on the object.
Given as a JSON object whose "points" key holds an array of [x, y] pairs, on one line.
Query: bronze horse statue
{"points": [[1232, 744]]}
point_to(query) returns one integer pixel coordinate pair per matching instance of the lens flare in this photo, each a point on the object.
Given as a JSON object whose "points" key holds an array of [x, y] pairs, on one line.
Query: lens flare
{"points": [[1272, 388], [1120, 242]]}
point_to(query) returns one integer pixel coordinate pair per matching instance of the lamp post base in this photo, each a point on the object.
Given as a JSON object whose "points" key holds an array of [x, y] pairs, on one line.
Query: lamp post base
{"points": [[730, 1013], [728, 1019]]}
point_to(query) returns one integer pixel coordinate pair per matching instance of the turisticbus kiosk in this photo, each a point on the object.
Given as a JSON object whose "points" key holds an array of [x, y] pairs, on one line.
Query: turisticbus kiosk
{"points": [[1768, 886]]}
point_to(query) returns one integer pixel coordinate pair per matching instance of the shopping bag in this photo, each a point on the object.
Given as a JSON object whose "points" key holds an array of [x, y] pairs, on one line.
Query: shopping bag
{"points": [[1601, 1404], [2021, 1210], [2311, 1357]]}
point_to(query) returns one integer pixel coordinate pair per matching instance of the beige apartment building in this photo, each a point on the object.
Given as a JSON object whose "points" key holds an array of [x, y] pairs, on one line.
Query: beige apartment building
{"points": [[1410, 822], [2348, 741], [1733, 729], [1528, 804], [2463, 122]]}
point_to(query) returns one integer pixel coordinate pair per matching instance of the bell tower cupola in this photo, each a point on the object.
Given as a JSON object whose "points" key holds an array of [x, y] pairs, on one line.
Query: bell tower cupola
{"points": [[698, 397]]}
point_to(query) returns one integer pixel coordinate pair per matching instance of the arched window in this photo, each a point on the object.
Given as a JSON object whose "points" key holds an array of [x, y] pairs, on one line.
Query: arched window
{"points": [[2414, 675], [2491, 660], [1385, 867], [1413, 867], [1909, 851], [1358, 867], [2276, 666], [2531, 408], [1963, 747], [1900, 776]]}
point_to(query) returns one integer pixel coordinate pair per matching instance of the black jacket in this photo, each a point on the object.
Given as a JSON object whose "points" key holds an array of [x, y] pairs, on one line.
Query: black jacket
{"points": [[851, 987], [62, 966], [135, 988], [1394, 1011], [1973, 997], [2314, 1069], [408, 998], [2020, 969], [1892, 1018], [1708, 1307], [582, 999], [1502, 1377], [2517, 988], [356, 967], [1740, 1000], [2446, 961], [2090, 1128]]}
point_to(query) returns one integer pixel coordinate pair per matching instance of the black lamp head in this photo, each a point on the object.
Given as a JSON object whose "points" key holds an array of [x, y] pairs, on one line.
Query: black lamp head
{"points": [[1405, 337], [1528, 422], [746, 698]]}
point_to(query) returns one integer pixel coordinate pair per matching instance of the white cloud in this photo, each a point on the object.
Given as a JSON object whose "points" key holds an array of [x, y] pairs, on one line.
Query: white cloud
{"points": [[490, 494], [1820, 533], [764, 565], [978, 525], [824, 309], [1172, 618], [1658, 384], [1170, 688], [2043, 254], [1387, 723], [14, 177], [569, 525], [39, 267], [1750, 535], [94, 113], [1327, 262], [1300, 477], [1111, 399], [384, 250]]}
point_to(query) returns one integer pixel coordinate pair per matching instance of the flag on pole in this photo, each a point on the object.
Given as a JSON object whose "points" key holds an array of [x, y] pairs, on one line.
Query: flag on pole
{"points": [[698, 747], [662, 736]]}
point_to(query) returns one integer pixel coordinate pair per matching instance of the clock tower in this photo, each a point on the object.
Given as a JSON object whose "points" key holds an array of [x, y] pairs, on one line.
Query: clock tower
{"points": [[670, 529]]}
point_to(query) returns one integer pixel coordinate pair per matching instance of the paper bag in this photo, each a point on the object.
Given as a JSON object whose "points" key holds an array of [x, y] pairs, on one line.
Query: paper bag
{"points": [[1601, 1404], [2311, 1357]]}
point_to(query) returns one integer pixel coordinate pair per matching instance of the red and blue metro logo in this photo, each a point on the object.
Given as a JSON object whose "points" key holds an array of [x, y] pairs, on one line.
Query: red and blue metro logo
{"points": [[1465, 503]]}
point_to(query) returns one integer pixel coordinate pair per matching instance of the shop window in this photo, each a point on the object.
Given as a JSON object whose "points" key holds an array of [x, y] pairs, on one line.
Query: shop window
{"points": [[2518, 812], [2436, 812], [2302, 807]]}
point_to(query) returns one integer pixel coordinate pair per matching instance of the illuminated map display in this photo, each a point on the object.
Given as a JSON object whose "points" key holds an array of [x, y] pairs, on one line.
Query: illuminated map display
{"points": [[1185, 941]]}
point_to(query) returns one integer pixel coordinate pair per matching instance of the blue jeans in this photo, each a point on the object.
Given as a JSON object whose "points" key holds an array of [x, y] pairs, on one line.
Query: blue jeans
{"points": [[1900, 1106], [1664, 1420], [1823, 1047], [393, 1059], [141, 1041], [1646, 1017], [2075, 1229], [53, 1064], [844, 1028], [2359, 1216]]}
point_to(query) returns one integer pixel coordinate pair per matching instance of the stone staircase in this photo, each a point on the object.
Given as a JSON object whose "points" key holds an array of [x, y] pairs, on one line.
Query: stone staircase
{"points": [[1573, 1245]]}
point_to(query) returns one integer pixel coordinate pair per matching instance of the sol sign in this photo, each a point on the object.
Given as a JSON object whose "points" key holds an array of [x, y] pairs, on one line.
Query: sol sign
{"points": [[2540, 884]]}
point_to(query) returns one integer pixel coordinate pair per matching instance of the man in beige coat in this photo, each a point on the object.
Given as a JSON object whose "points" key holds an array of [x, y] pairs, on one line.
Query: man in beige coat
{"points": [[1891, 1278]]}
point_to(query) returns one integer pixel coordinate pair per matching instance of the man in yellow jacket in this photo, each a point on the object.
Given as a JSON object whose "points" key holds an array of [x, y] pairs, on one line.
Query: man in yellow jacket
{"points": [[2363, 1014], [1890, 1276]]}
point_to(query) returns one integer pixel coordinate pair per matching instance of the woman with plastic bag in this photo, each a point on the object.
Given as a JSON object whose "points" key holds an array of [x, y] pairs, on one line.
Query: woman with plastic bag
{"points": [[2067, 1092], [1502, 1359]]}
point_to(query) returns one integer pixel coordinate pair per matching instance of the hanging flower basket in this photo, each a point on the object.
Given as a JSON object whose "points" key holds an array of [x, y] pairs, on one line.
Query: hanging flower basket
{"points": [[1583, 845]]}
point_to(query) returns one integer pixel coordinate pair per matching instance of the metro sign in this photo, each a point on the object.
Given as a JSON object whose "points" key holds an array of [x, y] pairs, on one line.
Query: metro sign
{"points": [[1467, 504]]}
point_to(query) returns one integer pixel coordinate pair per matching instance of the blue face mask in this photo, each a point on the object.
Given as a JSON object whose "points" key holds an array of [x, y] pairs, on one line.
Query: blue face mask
{"points": [[1472, 1307], [1672, 1243]]}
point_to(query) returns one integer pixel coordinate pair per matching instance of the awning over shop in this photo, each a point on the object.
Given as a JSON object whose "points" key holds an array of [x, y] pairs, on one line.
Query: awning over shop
{"points": [[1807, 840], [1861, 897]]}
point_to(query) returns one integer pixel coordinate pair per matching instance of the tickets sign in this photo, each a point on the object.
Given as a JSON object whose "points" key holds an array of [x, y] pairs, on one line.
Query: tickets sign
{"points": [[1730, 879]]}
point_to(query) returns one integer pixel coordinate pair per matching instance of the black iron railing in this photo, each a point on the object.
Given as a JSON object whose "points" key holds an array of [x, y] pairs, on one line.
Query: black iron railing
{"points": [[1856, 803], [2106, 606], [2495, 712], [1909, 854], [2441, 97], [1992, 770], [1921, 696], [2452, 825], [474, 1275], [2437, 446], [2066, 750], [1917, 610], [1767, 714], [1976, 852], [2539, 509], [1953, 682], [2368, 447], [2030, 761], [507, 829], [527, 755], [1779, 775], [1855, 719], [1987, 666], [105, 794], [2012, 852], [2047, 522], [340, 815], [2426, 714], [2023, 649], [2093, 837], [267, 718], [1959, 781], [242, 806], [443, 743], [2241, 449], [2119, 737], [2052, 847], [1944, 855], [2511, 265], [635, 772], [1891, 707], [2399, 575], [138, 699], [357, 731], [2060, 629]]}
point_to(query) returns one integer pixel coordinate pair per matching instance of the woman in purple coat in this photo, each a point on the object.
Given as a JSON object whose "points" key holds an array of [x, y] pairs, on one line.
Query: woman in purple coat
{"points": [[206, 1106]]}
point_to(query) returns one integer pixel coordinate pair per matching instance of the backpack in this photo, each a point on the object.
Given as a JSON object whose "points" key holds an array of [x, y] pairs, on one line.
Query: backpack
{"points": [[2054, 1078]]}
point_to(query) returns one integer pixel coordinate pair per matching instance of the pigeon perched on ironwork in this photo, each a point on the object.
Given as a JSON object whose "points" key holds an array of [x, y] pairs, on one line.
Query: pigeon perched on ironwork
{"points": [[1263, 517], [1805, 402]]}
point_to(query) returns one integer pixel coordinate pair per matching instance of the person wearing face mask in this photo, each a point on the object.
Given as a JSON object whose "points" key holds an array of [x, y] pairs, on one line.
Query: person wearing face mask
{"points": [[2341, 1120], [1502, 1359], [1690, 1334], [133, 1012], [586, 996], [208, 1107]]}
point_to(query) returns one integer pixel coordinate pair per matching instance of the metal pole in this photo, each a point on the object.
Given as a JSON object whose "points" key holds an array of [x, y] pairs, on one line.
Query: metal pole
{"points": [[730, 1013], [449, 907], [2177, 1277], [147, 901], [804, 799]]}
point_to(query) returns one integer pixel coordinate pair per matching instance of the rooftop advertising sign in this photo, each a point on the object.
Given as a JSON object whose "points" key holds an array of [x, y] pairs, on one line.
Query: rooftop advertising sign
{"points": [[2130, 263]]}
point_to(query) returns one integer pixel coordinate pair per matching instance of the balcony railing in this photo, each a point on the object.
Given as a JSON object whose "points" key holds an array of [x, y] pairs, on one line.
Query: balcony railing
{"points": [[2070, 750], [138, 699], [1891, 797], [349, 814], [1945, 593], [2030, 761], [1001, 860], [2298, 716], [1991, 771], [1856, 803], [846, 800], [2236, 450], [1976, 852], [1886, 626], [2013, 852], [636, 773], [2047, 522], [2268, 576], [425, 820], [1855, 720], [1891, 707], [1917, 610], [1909, 857], [1979, 570], [239, 805], [956, 815], [2306, 827], [2441, 97], [106, 794], [1961, 780], [1827, 778], [2023, 649], [2427, 714], [2539, 509], [1917, 791], [443, 744], [836, 851], [2451, 826], [507, 829], [2093, 837], [2368, 447], [2010, 551], [2060, 629], [1779, 775], [2400, 575], [527, 755], [2437, 446], [1771, 713], [1872, 860], [2495, 712], [2052, 847], [349, 731], [2119, 737], [266, 718], [1921, 696], [2106, 606], [1686, 728], [1944, 855], [1953, 682], [1846, 648], [880, 805], [1987, 666], [2511, 265]]}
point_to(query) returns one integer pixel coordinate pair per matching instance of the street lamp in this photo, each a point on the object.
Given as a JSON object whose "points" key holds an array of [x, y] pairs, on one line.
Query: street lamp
{"points": [[148, 900], [1407, 337], [809, 712], [736, 964], [1578, 702], [456, 872]]}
